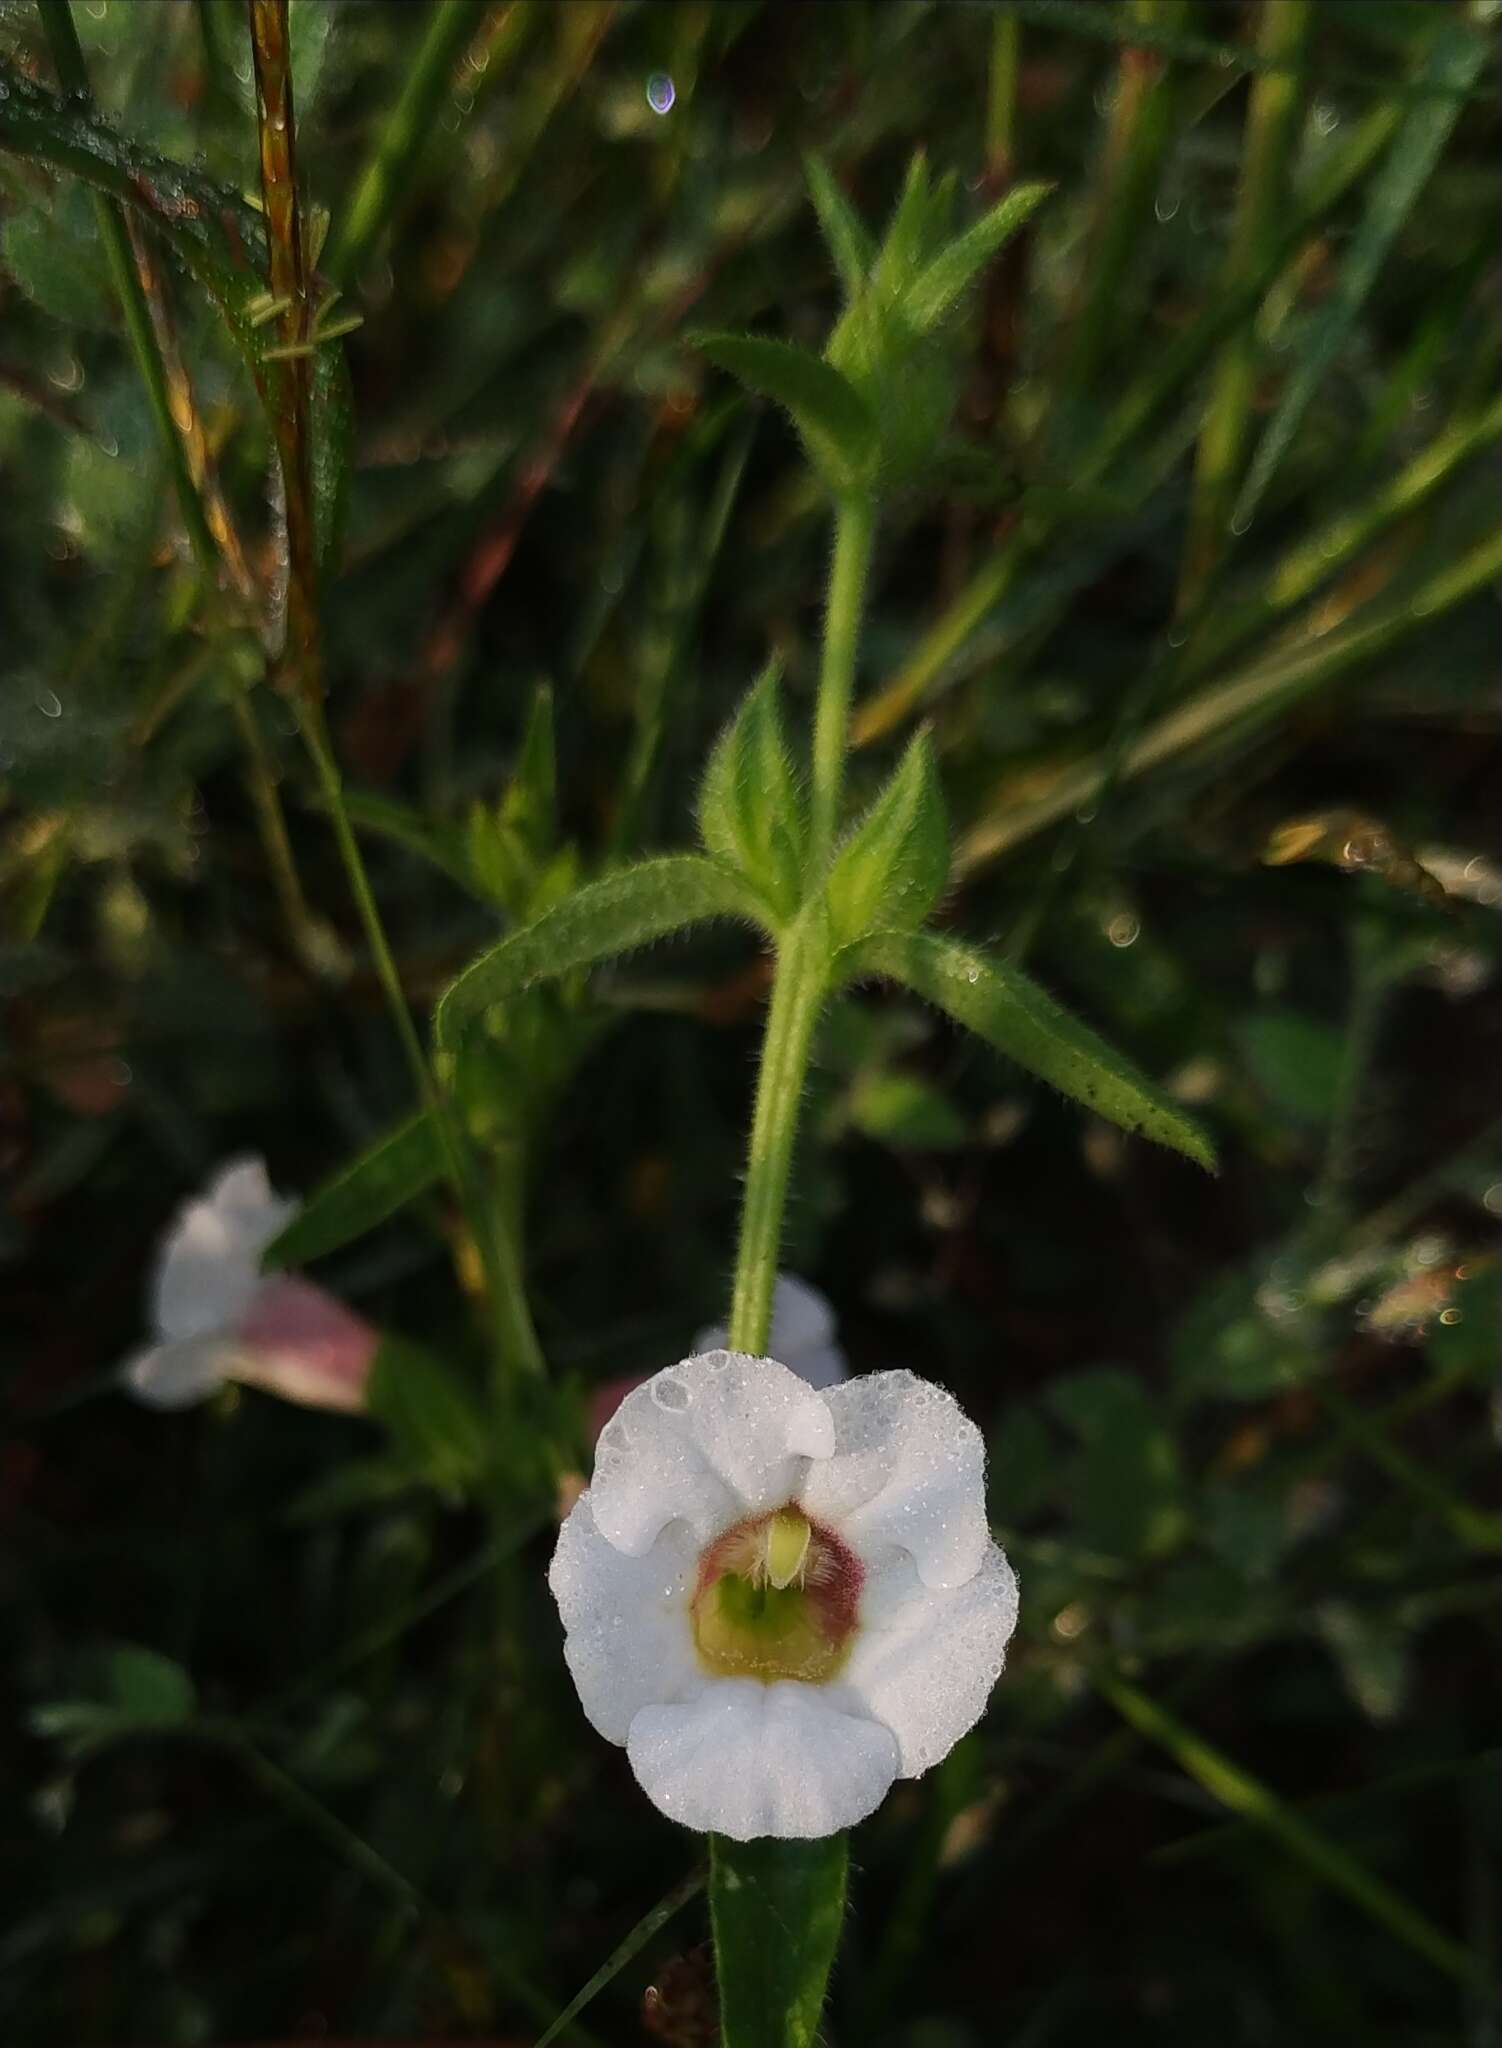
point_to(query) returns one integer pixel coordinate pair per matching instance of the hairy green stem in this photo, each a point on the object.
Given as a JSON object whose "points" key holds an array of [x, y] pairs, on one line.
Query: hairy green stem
{"points": [[854, 532], [798, 990]]}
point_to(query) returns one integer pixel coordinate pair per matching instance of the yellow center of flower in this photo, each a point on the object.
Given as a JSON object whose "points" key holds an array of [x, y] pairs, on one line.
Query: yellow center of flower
{"points": [[776, 1598]]}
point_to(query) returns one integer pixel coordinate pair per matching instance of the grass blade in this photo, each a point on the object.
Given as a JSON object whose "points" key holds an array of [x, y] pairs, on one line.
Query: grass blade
{"points": [[1244, 1795], [1453, 63], [671, 1902]]}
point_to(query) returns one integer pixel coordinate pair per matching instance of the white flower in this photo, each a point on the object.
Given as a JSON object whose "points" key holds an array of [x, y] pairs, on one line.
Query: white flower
{"points": [[802, 1335], [216, 1318], [778, 1599]]}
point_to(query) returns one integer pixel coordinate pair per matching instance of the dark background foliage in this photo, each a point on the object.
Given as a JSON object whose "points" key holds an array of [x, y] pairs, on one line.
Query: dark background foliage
{"points": [[1237, 807]]}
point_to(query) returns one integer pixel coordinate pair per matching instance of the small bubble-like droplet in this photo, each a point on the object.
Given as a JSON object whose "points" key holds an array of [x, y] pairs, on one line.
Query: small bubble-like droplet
{"points": [[661, 93]]}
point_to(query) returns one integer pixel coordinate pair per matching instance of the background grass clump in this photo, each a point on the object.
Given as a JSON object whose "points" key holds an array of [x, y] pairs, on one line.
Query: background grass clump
{"points": [[1199, 596]]}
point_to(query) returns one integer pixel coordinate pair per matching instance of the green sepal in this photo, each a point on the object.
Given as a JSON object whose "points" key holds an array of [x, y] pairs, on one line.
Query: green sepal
{"points": [[752, 813], [608, 917], [942, 281], [846, 234], [891, 870], [1013, 1014], [836, 424], [434, 1421], [776, 1907], [368, 1189]]}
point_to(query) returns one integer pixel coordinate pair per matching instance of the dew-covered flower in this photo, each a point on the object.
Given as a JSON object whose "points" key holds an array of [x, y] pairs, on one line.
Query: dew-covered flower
{"points": [[779, 1599], [803, 1337], [216, 1318]]}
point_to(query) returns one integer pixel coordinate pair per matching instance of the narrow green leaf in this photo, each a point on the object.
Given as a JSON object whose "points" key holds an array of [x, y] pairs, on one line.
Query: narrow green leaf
{"points": [[752, 814], [1243, 1794], [891, 870], [648, 1925], [612, 916], [941, 282], [777, 1907], [850, 243], [836, 424], [211, 228], [906, 239], [1452, 66], [1013, 1014], [371, 1188], [150, 1687]]}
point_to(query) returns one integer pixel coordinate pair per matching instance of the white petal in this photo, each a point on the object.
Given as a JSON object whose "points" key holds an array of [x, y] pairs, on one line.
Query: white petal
{"points": [[628, 1633], [802, 1319], [210, 1259], [178, 1375], [908, 1469], [925, 1661], [746, 1759], [713, 1438], [802, 1337]]}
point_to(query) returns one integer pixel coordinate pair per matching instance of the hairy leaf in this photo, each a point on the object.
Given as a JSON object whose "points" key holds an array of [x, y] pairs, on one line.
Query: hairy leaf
{"points": [[891, 870], [837, 426], [777, 1907], [612, 916], [1013, 1014]]}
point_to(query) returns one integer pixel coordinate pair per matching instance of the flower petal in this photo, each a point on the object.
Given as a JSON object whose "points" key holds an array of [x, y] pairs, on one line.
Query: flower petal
{"points": [[711, 1439], [628, 1633], [908, 1469], [299, 1341], [746, 1759], [210, 1259], [178, 1375], [925, 1660], [802, 1336]]}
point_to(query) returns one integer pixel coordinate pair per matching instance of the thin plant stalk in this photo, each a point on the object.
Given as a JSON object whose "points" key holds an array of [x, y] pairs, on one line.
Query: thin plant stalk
{"points": [[798, 990], [854, 532], [451, 25], [516, 1339]]}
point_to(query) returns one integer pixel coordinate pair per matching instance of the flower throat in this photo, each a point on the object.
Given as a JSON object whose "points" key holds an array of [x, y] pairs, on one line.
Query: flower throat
{"points": [[776, 1598]]}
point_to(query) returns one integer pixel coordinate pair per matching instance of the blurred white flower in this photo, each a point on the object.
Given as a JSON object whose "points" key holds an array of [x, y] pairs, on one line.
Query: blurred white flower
{"points": [[780, 1600], [802, 1337], [216, 1318]]}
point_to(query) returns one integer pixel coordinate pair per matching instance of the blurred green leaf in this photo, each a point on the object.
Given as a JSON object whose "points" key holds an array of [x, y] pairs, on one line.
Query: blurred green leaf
{"points": [[1295, 1060], [902, 1110], [54, 254], [1126, 1485], [435, 1421]]}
